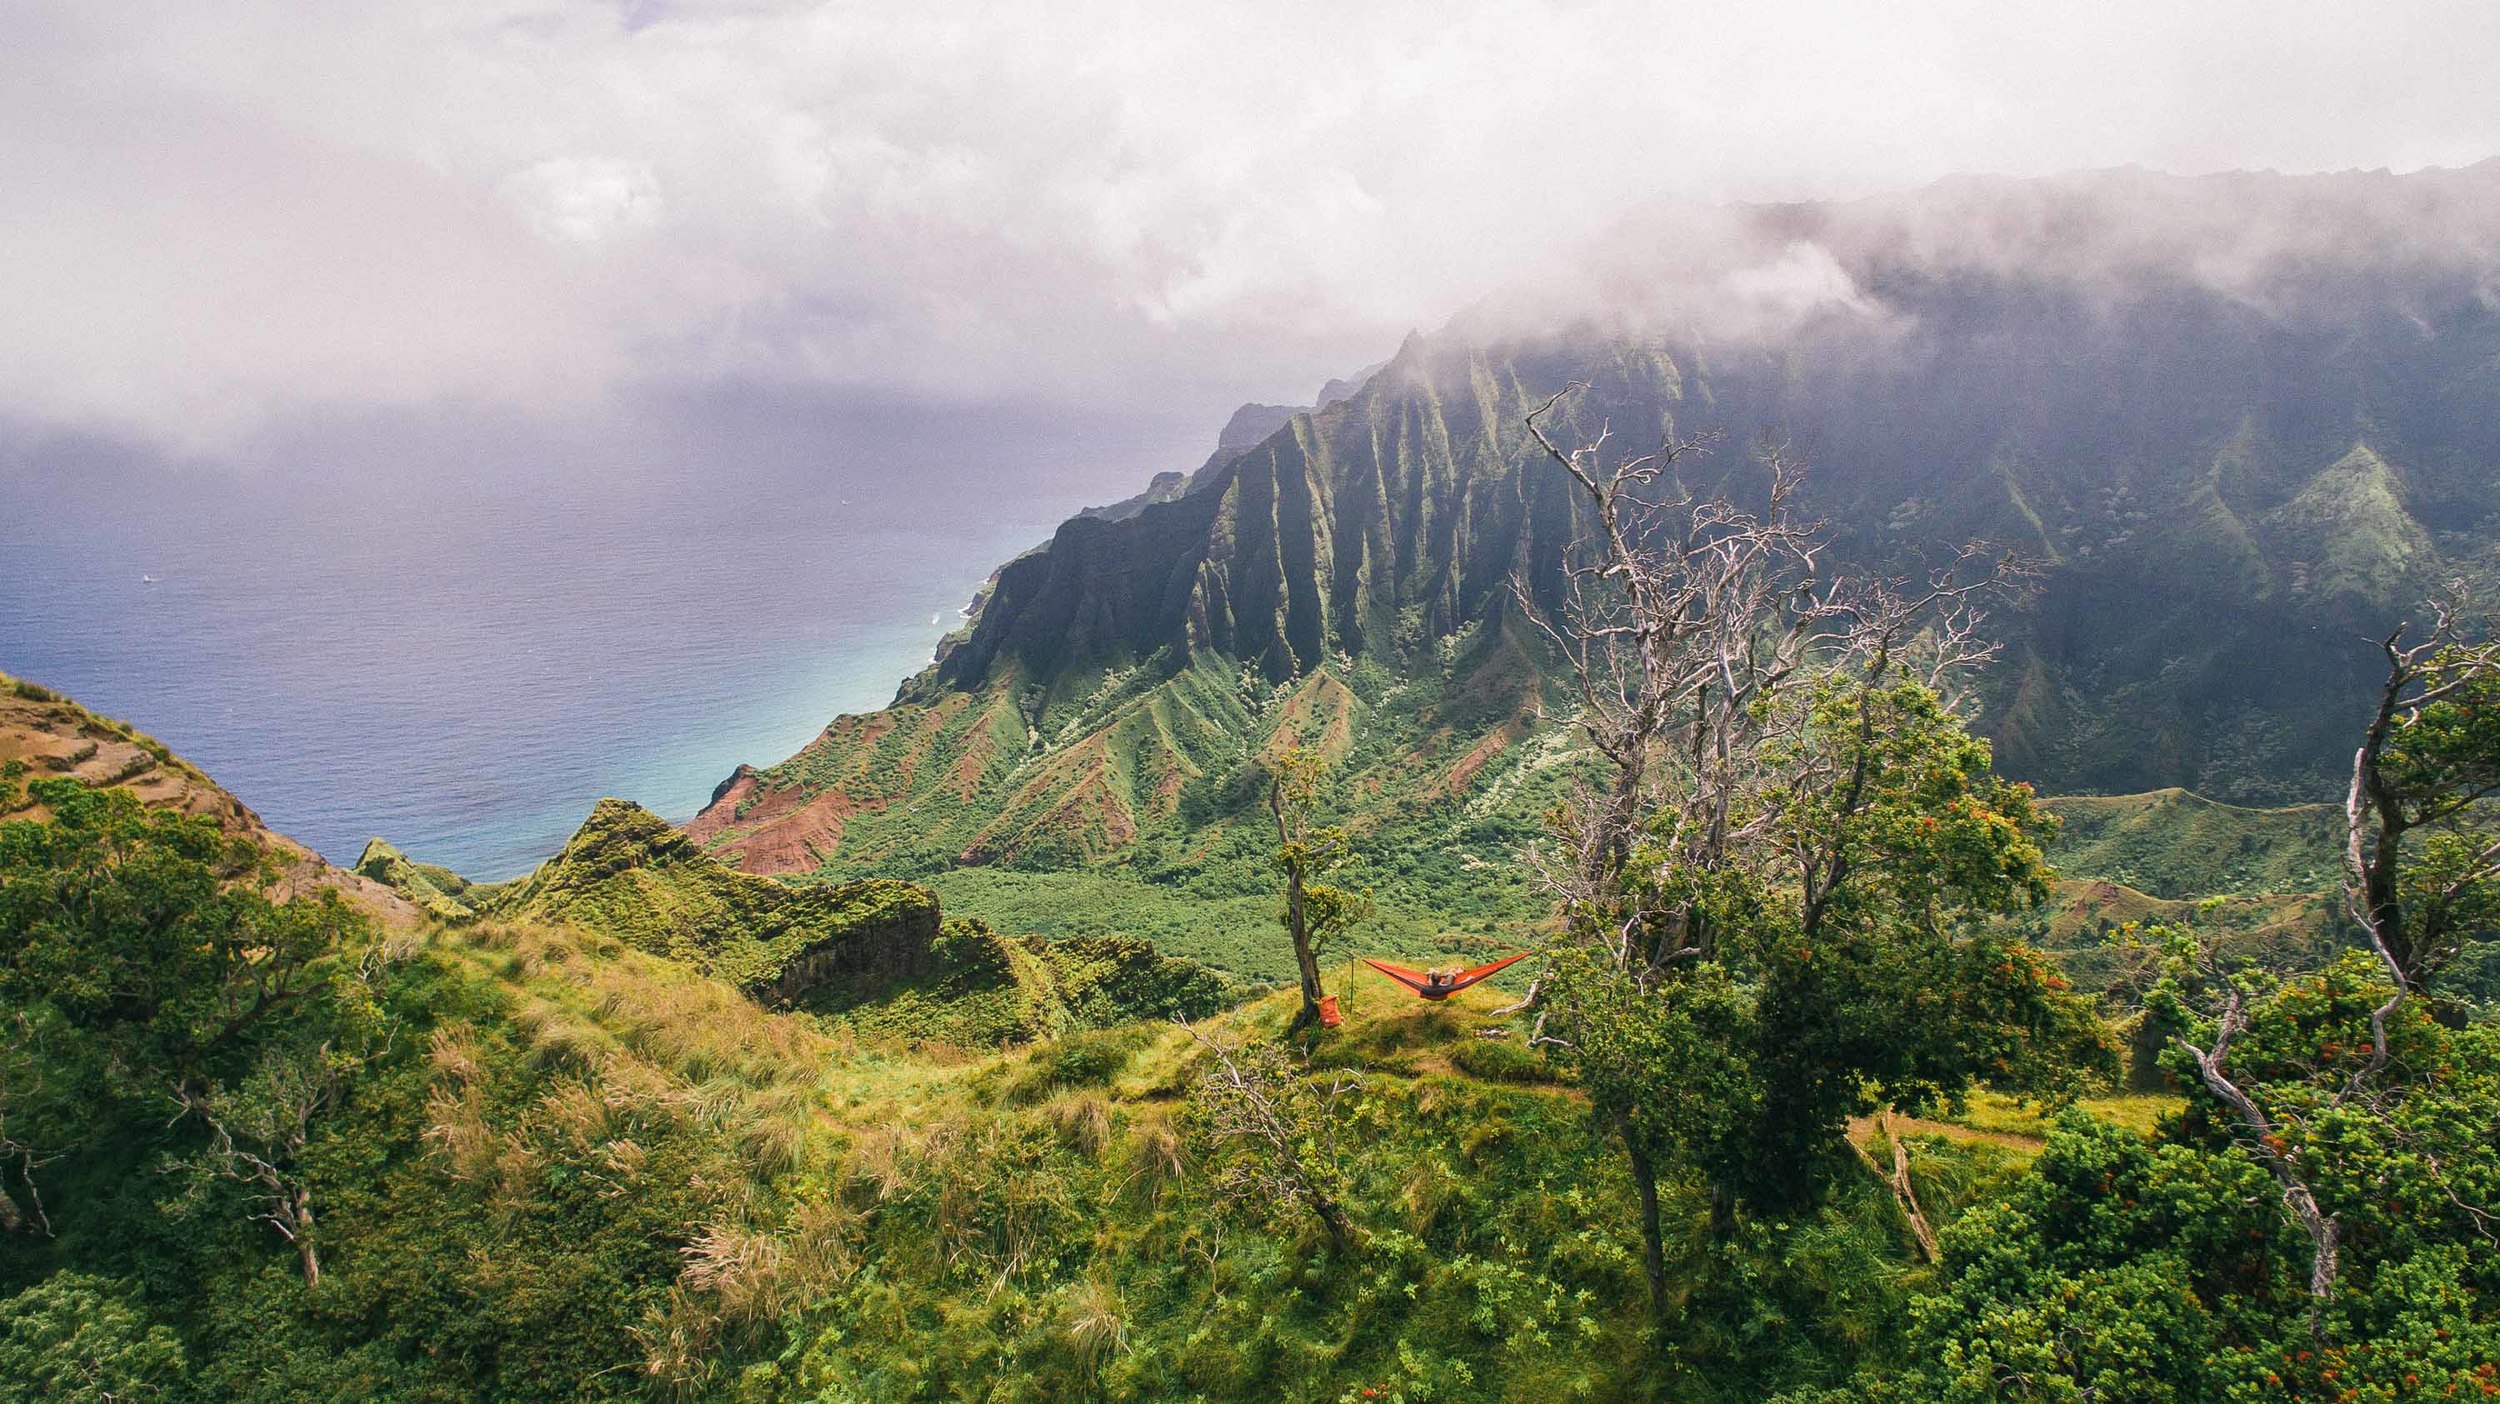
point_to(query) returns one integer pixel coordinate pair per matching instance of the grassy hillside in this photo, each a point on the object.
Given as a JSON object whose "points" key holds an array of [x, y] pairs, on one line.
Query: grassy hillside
{"points": [[628, 875], [1443, 775], [1139, 807], [560, 1154], [2173, 844], [581, 1171], [869, 953]]}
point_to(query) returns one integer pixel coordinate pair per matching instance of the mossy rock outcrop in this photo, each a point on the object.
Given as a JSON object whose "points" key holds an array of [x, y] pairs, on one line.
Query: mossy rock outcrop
{"points": [[628, 875], [437, 891]]}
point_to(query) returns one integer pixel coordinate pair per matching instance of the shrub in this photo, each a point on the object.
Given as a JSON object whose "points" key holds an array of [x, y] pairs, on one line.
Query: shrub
{"points": [[1090, 1059], [1498, 1060], [76, 1339]]}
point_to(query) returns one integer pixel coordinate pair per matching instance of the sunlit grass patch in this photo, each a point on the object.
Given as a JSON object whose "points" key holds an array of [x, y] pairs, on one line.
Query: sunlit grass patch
{"points": [[2000, 1114]]}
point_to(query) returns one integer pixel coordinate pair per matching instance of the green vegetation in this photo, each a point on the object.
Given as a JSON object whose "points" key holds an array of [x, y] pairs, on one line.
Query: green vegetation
{"points": [[559, 1167], [74, 1339], [1786, 887], [2175, 845], [256, 1147], [1235, 932], [1438, 855], [2353, 535], [1437, 811], [2165, 1268], [988, 990]]}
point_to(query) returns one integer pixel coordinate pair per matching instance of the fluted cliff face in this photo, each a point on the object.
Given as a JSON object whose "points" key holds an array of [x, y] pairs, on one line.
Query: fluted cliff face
{"points": [[2227, 476], [1391, 518]]}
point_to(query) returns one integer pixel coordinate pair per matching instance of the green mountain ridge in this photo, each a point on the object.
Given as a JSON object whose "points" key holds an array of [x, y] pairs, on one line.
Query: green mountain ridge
{"points": [[1457, 734], [2177, 845], [873, 953]]}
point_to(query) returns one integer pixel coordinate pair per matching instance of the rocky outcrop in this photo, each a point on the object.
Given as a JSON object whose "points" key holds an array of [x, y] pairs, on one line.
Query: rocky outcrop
{"points": [[1163, 488], [871, 932], [436, 891], [628, 875]]}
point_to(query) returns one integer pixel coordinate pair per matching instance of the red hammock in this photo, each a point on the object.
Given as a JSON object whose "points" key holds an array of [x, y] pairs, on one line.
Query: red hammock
{"points": [[1434, 984]]}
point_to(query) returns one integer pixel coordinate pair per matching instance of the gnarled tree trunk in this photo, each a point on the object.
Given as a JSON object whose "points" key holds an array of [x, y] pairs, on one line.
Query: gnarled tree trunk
{"points": [[1653, 1236]]}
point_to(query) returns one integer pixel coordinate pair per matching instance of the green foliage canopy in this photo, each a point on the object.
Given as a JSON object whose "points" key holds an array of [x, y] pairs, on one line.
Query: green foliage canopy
{"points": [[2122, 1267], [150, 933], [1886, 984]]}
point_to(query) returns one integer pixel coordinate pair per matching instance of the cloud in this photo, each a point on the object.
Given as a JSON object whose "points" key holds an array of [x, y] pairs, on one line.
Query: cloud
{"points": [[585, 200], [212, 213], [1803, 280]]}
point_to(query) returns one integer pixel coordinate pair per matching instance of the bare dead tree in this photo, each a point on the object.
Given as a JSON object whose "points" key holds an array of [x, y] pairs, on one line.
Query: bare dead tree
{"points": [[1692, 630], [27, 1159], [2213, 1070], [21, 1082], [2417, 769], [1905, 1192], [1255, 1094]]}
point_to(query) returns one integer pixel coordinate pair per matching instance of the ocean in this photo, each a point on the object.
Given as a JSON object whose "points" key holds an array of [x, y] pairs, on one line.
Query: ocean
{"points": [[458, 631]]}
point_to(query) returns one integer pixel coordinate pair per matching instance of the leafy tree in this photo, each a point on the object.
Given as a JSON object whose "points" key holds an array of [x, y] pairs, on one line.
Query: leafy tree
{"points": [[2318, 1222], [1306, 852], [1745, 1065], [2428, 765], [146, 964], [150, 933], [257, 1131], [2428, 768]]}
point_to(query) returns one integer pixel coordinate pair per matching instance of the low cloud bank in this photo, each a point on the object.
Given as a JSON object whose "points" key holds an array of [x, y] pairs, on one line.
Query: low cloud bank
{"points": [[219, 213]]}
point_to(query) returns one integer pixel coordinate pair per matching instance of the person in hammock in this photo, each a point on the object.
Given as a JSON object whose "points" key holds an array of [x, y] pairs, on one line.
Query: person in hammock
{"points": [[1439, 984]]}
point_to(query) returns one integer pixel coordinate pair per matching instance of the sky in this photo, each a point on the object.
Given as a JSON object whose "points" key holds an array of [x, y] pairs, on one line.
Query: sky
{"points": [[219, 219]]}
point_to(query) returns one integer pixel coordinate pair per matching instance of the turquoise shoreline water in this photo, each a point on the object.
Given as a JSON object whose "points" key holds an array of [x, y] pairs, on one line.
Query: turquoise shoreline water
{"points": [[462, 660]]}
